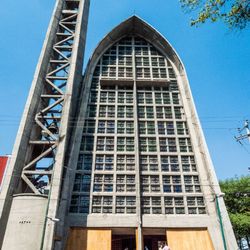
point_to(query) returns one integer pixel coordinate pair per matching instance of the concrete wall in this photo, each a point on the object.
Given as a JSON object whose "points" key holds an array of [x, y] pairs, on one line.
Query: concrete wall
{"points": [[25, 224]]}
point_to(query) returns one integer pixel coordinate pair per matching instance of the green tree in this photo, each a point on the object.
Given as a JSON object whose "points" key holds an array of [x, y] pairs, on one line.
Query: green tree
{"points": [[235, 13], [237, 199]]}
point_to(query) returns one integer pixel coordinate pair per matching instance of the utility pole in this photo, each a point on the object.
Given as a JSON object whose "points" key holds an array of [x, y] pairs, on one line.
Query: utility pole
{"points": [[220, 218], [243, 136]]}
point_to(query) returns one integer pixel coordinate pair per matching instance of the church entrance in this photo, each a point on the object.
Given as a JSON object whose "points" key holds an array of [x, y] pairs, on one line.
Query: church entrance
{"points": [[153, 238], [123, 239], [153, 242]]}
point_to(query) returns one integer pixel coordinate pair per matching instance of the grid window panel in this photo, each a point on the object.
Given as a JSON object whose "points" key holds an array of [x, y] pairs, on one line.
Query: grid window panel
{"points": [[89, 127], [182, 128], [87, 143], [107, 200], [105, 143], [93, 96], [142, 61], [158, 62], [125, 72], [146, 112], [104, 162], [109, 60], [109, 71], [174, 205], [120, 210], [125, 144], [175, 98], [188, 164], [103, 183], [107, 210], [145, 97], [143, 73], [156, 210], [124, 60], [125, 112], [141, 51], [171, 183], [84, 162], [146, 201], [192, 183], [125, 163], [131, 210], [169, 201], [125, 127], [102, 204], [185, 145], [79, 204], [173, 85], [162, 98], [192, 210], [151, 205], [180, 210], [147, 144], [106, 127], [164, 112], [82, 183], [150, 183], [191, 179], [125, 183], [107, 97], [171, 72], [169, 164], [179, 113], [178, 201], [167, 144], [125, 97], [107, 111], [125, 50], [97, 201], [126, 204], [146, 210], [95, 83], [111, 51], [149, 163], [169, 210], [147, 127], [166, 128], [159, 72]]}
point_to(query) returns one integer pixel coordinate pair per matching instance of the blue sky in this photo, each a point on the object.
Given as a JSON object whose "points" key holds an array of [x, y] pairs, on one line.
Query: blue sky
{"points": [[217, 63]]}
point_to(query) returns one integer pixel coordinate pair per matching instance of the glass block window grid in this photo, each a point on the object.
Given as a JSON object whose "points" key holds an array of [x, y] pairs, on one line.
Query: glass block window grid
{"points": [[105, 181]]}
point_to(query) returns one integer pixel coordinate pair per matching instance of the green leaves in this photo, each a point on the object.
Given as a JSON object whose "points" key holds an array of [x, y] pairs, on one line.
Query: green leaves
{"points": [[235, 13], [237, 199], [241, 224]]}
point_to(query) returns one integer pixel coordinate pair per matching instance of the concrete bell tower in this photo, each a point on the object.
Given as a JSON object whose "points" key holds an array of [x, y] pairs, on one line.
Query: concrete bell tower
{"points": [[31, 192]]}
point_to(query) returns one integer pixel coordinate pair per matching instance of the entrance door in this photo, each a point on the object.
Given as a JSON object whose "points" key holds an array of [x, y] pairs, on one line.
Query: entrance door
{"points": [[148, 243], [122, 242], [89, 239], [189, 239], [153, 242]]}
